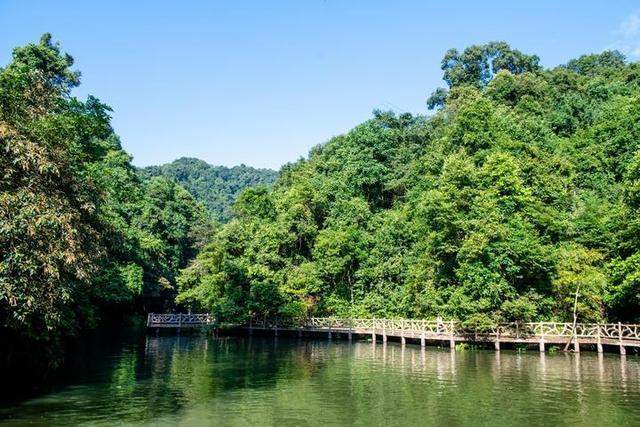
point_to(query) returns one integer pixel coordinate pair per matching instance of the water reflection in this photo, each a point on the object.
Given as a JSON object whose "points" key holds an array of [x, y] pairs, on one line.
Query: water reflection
{"points": [[266, 380]]}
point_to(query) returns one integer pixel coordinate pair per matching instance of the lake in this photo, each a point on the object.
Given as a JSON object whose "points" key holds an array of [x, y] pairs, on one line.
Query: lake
{"points": [[196, 380]]}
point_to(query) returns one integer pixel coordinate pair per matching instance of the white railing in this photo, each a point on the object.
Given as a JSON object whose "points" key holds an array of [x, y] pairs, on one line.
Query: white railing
{"points": [[602, 331], [179, 320]]}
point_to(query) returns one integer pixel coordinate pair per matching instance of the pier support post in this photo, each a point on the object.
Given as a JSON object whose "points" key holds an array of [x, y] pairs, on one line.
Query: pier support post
{"points": [[623, 350], [329, 335], [350, 336], [576, 345], [384, 336], [373, 330], [541, 345], [423, 342], [300, 332], [452, 342], [275, 330], [599, 343], [403, 340], [496, 345]]}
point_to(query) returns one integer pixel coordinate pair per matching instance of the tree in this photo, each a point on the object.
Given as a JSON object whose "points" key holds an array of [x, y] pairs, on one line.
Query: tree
{"points": [[477, 64], [496, 207], [80, 234]]}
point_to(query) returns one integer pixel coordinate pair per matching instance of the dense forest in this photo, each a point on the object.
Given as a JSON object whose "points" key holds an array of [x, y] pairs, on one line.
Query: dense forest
{"points": [[82, 237], [217, 187], [520, 191]]}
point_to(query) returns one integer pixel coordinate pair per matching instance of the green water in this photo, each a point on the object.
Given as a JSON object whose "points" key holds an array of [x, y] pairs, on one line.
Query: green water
{"points": [[192, 380]]}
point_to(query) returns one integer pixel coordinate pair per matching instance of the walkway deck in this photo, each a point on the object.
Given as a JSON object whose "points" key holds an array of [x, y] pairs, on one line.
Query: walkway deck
{"points": [[541, 333]]}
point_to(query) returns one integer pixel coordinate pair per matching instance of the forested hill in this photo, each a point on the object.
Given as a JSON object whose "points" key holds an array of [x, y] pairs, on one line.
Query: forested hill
{"points": [[520, 192], [217, 187]]}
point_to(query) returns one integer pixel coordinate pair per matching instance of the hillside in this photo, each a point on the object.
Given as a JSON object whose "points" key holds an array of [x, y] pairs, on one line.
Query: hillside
{"points": [[217, 187], [522, 190]]}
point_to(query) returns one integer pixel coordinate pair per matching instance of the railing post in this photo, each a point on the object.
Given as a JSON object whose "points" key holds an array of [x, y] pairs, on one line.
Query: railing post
{"points": [[623, 351]]}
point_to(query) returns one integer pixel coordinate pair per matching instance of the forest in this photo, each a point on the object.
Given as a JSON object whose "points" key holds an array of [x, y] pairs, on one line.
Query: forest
{"points": [[217, 187], [83, 237], [517, 191]]}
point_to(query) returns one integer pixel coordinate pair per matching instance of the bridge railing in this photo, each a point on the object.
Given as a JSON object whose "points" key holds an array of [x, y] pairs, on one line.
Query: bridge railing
{"points": [[178, 319], [598, 331], [617, 331]]}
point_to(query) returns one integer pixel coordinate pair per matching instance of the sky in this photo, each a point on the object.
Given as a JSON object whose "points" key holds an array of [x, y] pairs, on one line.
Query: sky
{"points": [[261, 82]]}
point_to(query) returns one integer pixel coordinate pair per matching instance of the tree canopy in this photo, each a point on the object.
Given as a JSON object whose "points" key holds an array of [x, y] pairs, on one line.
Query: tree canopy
{"points": [[80, 232], [523, 188], [217, 187], [494, 208]]}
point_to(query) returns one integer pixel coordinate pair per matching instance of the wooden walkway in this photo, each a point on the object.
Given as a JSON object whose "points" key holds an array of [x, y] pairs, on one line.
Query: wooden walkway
{"points": [[541, 333], [155, 320]]}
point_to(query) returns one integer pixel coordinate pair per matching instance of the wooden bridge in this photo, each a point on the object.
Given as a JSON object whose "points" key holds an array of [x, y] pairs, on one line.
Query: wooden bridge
{"points": [[155, 320], [541, 333]]}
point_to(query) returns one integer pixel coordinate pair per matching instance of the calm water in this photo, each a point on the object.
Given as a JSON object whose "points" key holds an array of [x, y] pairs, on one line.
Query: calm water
{"points": [[267, 381]]}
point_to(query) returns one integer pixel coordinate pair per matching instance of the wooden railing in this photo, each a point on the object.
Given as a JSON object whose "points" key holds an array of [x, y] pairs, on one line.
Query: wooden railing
{"points": [[515, 329], [598, 334], [155, 320], [526, 332]]}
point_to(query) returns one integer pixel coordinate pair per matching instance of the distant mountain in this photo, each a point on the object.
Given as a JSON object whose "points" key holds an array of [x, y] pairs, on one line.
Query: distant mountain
{"points": [[215, 186]]}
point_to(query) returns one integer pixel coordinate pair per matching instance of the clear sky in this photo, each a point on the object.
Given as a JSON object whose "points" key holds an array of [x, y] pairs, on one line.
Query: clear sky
{"points": [[262, 82]]}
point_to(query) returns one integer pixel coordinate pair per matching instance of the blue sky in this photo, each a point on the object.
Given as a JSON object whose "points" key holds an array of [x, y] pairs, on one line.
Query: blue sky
{"points": [[262, 82]]}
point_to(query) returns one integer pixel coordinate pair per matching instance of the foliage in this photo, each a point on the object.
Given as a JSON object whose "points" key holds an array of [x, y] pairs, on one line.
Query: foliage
{"points": [[217, 187], [520, 188], [80, 232], [477, 65], [523, 189]]}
